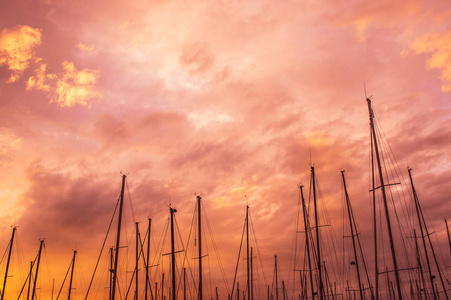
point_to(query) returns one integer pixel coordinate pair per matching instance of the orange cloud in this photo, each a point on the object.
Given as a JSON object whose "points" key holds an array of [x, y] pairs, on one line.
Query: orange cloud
{"points": [[41, 79], [17, 47], [75, 87], [71, 88], [439, 45]]}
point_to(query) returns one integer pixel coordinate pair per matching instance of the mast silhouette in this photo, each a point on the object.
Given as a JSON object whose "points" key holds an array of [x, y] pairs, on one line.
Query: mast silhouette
{"points": [[421, 224], [348, 204], [37, 270], [173, 211], [318, 247], [277, 280], [71, 275], [384, 197], [137, 260], [118, 239], [8, 261], [307, 243], [247, 251], [147, 260], [30, 275], [199, 230]]}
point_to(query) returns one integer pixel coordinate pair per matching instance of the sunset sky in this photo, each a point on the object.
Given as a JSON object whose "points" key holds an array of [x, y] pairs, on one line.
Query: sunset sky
{"points": [[222, 98]]}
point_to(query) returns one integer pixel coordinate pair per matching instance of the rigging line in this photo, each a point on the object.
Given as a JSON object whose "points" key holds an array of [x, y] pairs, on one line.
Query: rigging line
{"points": [[6, 251], [130, 201], [159, 250], [294, 244], [237, 264], [148, 284], [101, 250], [258, 249], [183, 247], [185, 258], [64, 280], [20, 257], [29, 277], [221, 267], [330, 234]]}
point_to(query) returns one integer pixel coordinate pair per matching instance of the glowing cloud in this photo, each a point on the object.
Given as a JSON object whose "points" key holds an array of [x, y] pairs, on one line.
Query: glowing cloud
{"points": [[17, 47], [41, 79], [440, 47], [76, 87], [71, 88]]}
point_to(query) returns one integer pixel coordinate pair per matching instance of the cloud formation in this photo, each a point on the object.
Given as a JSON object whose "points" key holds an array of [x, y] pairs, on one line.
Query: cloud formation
{"points": [[68, 89], [17, 48], [438, 45]]}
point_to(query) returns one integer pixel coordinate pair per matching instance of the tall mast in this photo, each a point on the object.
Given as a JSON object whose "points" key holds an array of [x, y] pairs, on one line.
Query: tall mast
{"points": [[199, 231], [29, 279], [307, 244], [71, 275], [118, 239], [147, 259], [384, 197], [247, 251], [422, 222], [137, 260], [111, 272], [277, 280], [184, 283], [252, 277], [348, 204], [173, 211], [373, 185], [417, 204], [37, 270], [318, 247], [7, 263]]}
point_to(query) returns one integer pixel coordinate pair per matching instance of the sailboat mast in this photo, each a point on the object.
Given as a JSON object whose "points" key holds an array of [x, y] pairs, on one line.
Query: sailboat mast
{"points": [[421, 220], [307, 244], [37, 270], [417, 204], [373, 185], [30, 275], [348, 204], [252, 277], [318, 247], [199, 231], [8, 261], [137, 260], [173, 211], [71, 274], [147, 259], [277, 279], [111, 273], [118, 239], [247, 251], [384, 197]]}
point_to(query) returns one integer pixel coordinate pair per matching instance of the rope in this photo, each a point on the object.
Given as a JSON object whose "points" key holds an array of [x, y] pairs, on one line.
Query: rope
{"points": [[101, 250]]}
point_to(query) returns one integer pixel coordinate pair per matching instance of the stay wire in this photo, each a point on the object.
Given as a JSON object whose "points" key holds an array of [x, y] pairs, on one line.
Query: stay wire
{"points": [[101, 250]]}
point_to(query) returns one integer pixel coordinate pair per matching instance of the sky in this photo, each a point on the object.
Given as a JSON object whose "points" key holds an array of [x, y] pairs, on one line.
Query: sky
{"points": [[230, 100]]}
